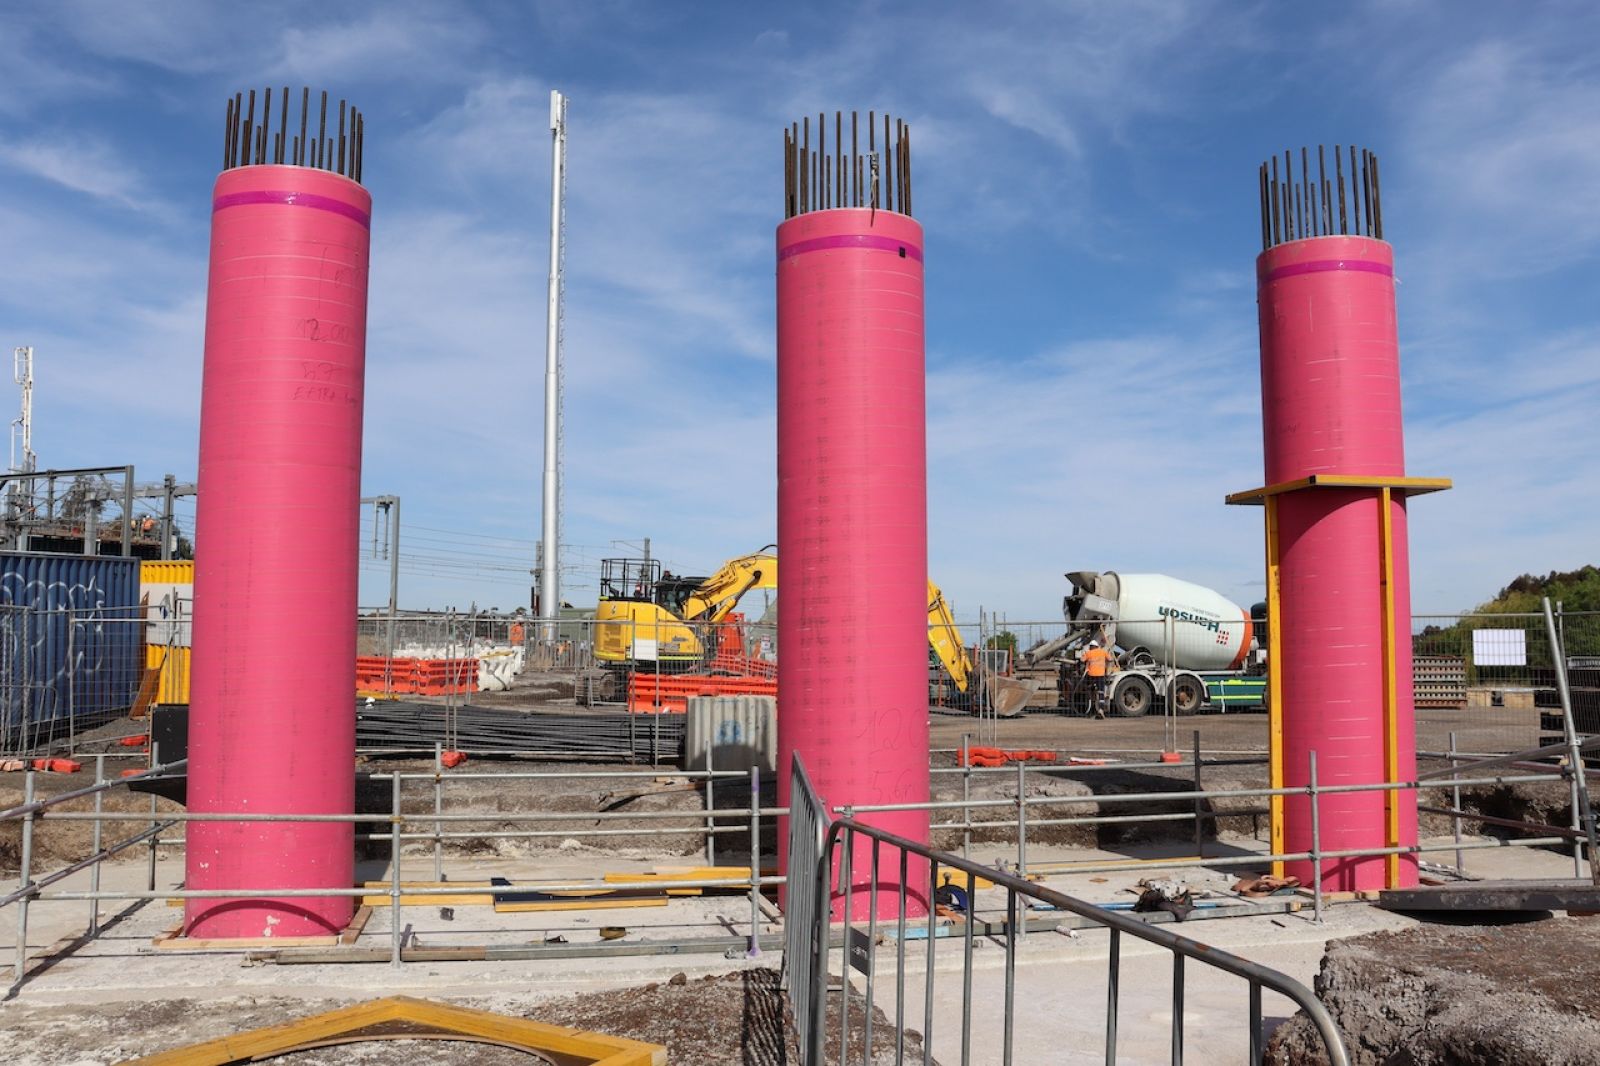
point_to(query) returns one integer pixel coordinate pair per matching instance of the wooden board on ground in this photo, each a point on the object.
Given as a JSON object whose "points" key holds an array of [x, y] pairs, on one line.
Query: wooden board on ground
{"points": [[590, 903], [358, 922], [174, 940], [686, 873], [380, 894]]}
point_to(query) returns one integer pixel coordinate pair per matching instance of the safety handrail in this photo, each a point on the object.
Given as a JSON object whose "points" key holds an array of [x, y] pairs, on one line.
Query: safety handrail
{"points": [[1257, 975]]}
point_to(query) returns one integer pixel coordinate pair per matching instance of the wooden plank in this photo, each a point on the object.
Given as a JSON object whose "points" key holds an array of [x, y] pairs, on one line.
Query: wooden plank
{"points": [[590, 903], [358, 922], [380, 894], [173, 942], [1411, 486], [687, 873]]}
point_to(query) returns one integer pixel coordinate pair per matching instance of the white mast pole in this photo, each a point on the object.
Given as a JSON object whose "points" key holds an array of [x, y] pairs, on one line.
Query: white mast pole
{"points": [[550, 570]]}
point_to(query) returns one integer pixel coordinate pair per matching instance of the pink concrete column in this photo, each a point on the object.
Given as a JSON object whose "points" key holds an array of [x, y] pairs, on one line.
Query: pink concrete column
{"points": [[1330, 396], [852, 508], [272, 717]]}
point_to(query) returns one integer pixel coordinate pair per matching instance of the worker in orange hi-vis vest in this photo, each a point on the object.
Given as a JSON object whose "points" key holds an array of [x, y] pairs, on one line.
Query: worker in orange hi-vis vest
{"points": [[1096, 667]]}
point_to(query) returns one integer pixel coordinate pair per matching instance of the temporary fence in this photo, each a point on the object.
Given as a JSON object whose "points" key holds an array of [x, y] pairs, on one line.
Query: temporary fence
{"points": [[65, 670], [805, 910], [889, 852], [1491, 679], [430, 822]]}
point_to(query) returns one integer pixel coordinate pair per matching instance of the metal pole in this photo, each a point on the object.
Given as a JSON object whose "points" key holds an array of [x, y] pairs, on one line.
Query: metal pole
{"points": [[711, 805], [438, 808], [127, 511], [1113, 974], [394, 581], [155, 760], [96, 843], [1455, 805], [1177, 1009], [1022, 859], [1580, 786], [394, 874], [1316, 843], [72, 691], [755, 862], [966, 796], [169, 491], [24, 879], [550, 566], [1199, 811]]}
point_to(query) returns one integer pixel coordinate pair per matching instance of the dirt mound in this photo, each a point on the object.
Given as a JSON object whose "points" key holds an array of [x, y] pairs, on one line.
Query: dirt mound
{"points": [[1440, 995]]}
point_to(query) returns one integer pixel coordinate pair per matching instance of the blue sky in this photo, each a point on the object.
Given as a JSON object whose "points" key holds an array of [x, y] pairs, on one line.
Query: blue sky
{"points": [[1086, 176]]}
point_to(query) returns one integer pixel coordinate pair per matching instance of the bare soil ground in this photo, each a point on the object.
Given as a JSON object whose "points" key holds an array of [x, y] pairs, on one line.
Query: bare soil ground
{"points": [[735, 1019], [1524, 994]]}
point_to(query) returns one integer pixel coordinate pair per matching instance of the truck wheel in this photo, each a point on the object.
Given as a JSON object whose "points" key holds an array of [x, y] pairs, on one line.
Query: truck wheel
{"points": [[1188, 694], [1134, 697]]}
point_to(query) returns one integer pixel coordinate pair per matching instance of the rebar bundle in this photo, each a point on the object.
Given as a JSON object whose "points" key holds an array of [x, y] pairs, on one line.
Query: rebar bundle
{"points": [[248, 142], [817, 179], [392, 725], [1295, 209]]}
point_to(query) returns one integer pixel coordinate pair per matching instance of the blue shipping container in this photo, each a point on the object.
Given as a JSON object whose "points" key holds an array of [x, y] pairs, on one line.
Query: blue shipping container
{"points": [[71, 642]]}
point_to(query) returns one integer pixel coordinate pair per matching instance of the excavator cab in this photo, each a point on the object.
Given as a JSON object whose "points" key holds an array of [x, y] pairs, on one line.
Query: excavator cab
{"points": [[633, 624]]}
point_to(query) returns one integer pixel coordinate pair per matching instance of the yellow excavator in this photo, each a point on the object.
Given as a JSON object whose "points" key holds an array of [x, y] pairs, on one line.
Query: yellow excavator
{"points": [[647, 615]]}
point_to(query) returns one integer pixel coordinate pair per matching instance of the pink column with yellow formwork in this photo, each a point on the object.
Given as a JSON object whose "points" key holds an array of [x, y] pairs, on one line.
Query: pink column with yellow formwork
{"points": [[1338, 572]]}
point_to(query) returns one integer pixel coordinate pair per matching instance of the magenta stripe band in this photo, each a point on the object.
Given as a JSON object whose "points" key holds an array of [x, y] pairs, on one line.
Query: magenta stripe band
{"points": [[851, 240], [1317, 266], [292, 199]]}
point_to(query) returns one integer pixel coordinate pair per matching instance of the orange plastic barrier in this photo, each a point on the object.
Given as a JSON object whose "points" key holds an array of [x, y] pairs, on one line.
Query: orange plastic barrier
{"points": [[423, 677], [983, 756], [670, 693]]}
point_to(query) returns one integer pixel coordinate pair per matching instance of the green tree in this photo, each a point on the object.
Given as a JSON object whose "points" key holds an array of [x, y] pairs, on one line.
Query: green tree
{"points": [[1004, 640]]}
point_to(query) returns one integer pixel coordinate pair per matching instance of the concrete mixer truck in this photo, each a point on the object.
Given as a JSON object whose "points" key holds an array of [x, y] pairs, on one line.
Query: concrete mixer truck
{"points": [[1177, 644]]}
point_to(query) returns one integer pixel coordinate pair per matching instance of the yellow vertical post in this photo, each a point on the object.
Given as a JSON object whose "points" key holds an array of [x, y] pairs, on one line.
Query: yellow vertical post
{"points": [[1391, 716], [1275, 832]]}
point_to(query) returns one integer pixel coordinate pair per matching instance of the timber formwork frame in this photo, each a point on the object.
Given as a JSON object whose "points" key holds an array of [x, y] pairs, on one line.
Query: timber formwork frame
{"points": [[1385, 489]]}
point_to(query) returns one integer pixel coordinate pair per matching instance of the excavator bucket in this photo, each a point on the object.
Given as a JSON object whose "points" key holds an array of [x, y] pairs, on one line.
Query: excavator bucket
{"points": [[1009, 696]]}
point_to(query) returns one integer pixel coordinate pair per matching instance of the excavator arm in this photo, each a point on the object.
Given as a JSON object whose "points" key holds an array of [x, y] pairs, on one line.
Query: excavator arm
{"points": [[946, 639], [720, 593]]}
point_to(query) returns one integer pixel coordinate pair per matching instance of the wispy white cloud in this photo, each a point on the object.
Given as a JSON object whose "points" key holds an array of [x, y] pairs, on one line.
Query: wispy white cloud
{"points": [[88, 166]]}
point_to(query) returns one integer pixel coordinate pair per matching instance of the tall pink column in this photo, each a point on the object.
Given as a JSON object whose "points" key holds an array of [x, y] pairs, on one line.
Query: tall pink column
{"points": [[852, 493], [1330, 399], [272, 713]]}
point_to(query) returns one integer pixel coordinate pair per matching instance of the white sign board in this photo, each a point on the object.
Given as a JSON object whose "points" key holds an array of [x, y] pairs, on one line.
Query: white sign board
{"points": [[1499, 647], [170, 607]]}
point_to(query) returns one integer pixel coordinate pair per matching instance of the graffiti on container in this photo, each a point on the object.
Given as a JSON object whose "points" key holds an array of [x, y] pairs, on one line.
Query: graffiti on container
{"points": [[58, 646]]}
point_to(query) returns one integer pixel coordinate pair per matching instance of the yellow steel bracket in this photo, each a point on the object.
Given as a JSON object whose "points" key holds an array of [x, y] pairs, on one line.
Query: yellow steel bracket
{"points": [[1386, 488]]}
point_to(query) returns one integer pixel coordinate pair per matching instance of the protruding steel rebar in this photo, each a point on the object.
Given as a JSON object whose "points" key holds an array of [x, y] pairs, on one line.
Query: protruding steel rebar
{"points": [[830, 176], [248, 142], [1302, 206]]}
